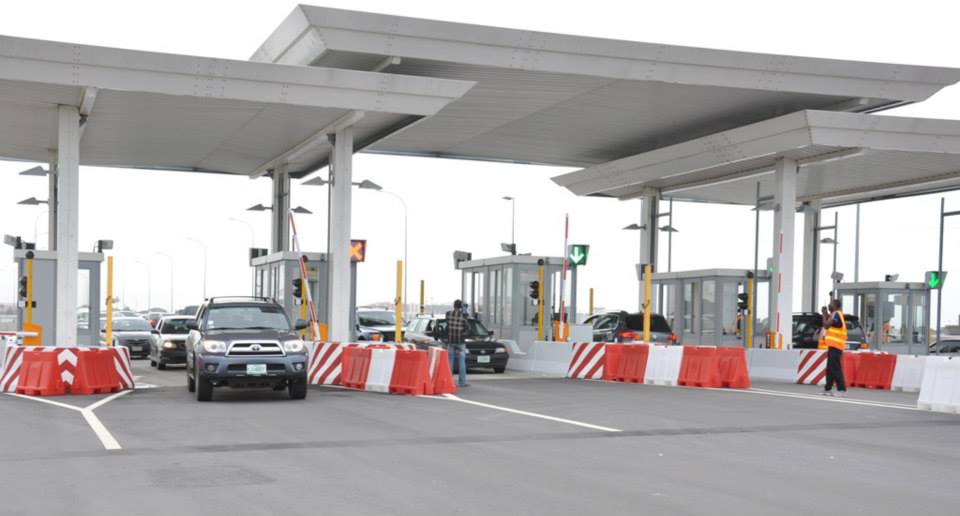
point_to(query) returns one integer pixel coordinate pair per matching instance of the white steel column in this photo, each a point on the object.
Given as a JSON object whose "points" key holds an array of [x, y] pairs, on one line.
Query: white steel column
{"points": [[811, 256], [52, 204], [785, 198], [280, 226], [338, 243], [67, 216], [649, 207]]}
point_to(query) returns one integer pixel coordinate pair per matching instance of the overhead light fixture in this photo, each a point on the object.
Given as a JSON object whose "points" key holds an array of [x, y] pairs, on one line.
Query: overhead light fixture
{"points": [[635, 227], [317, 181], [367, 184], [32, 201], [259, 207], [669, 229], [509, 248], [507, 198], [828, 240], [35, 171], [301, 209]]}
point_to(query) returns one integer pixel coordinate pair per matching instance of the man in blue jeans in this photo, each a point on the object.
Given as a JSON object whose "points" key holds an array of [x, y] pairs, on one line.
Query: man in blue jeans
{"points": [[457, 325]]}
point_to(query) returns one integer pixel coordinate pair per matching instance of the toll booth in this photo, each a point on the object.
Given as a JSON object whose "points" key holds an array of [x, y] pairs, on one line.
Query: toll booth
{"points": [[895, 316], [273, 276], [701, 305], [498, 292], [45, 297]]}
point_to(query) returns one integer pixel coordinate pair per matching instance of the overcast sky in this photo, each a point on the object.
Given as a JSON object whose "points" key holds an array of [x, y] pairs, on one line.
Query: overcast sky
{"points": [[457, 204]]}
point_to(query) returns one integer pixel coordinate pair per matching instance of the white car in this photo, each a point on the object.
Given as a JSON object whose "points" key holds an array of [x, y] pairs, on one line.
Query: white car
{"points": [[168, 347]]}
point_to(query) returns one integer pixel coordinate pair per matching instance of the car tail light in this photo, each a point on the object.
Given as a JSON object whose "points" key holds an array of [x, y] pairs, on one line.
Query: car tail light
{"points": [[672, 337], [629, 335]]}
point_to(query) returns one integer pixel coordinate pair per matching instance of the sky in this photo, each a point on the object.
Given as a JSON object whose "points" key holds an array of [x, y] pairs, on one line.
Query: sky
{"points": [[457, 205]]}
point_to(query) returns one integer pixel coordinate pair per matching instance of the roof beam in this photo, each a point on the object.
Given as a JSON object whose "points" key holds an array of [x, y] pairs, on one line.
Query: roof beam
{"points": [[86, 107], [316, 139]]}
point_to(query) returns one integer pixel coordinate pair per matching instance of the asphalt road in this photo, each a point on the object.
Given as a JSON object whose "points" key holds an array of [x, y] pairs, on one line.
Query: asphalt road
{"points": [[515, 446]]}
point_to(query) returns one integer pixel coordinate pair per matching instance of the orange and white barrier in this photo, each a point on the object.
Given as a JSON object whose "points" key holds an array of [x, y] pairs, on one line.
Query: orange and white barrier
{"points": [[326, 359], [692, 366], [812, 369], [50, 371], [388, 369]]}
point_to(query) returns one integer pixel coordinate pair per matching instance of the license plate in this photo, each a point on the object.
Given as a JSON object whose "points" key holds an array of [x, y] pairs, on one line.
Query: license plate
{"points": [[483, 359], [138, 348], [256, 369]]}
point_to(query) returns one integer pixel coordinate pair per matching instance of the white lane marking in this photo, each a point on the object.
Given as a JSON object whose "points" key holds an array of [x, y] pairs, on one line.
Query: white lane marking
{"points": [[48, 402], [106, 438], [452, 397], [817, 397], [104, 401]]}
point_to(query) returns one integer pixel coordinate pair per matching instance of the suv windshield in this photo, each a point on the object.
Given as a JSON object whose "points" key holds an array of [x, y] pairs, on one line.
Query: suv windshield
{"points": [[174, 326], [377, 318], [657, 323], [132, 324], [256, 317]]}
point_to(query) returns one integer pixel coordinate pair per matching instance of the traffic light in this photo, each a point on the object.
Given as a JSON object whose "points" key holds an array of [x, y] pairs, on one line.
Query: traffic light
{"points": [[577, 253], [742, 301], [534, 290], [935, 279], [298, 288], [23, 288]]}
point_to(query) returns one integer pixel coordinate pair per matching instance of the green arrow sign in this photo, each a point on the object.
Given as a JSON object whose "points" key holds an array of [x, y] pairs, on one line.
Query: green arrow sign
{"points": [[578, 254], [935, 279]]}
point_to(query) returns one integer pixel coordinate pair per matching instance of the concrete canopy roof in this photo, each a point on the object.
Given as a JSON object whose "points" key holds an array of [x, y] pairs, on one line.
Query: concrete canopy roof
{"points": [[578, 101], [843, 158], [174, 112]]}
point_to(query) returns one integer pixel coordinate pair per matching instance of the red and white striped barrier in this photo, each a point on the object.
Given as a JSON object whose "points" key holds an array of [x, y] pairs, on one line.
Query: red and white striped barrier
{"points": [[67, 359], [813, 367], [397, 371], [326, 359], [380, 372], [588, 361]]}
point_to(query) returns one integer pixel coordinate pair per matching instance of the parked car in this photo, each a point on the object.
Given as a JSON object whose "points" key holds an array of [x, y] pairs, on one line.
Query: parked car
{"points": [[482, 349], [628, 327], [807, 326], [190, 310], [373, 321], [133, 333], [169, 346], [948, 345], [245, 342], [154, 317]]}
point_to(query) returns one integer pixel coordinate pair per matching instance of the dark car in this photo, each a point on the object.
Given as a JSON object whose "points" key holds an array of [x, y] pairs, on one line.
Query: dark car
{"points": [[190, 310], [482, 349], [372, 322], [628, 327], [169, 346], [949, 345], [807, 326], [245, 343], [133, 333]]}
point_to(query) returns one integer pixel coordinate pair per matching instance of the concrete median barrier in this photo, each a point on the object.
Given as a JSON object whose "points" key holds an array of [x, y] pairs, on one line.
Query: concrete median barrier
{"points": [[908, 375], [663, 365], [773, 365], [940, 390]]}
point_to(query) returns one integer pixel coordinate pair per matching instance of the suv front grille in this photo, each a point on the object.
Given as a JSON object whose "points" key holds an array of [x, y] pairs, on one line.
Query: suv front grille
{"points": [[255, 349]]}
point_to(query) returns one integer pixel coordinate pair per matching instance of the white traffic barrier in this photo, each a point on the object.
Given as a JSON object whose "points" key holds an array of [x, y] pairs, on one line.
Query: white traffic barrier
{"points": [[812, 369], [773, 365], [544, 357], [940, 389], [588, 360], [663, 365], [908, 373], [381, 370]]}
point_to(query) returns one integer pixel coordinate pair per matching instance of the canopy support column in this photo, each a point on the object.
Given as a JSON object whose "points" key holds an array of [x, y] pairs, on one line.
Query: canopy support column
{"points": [[811, 256], [338, 231], [649, 209], [67, 222], [280, 226], [52, 204], [785, 198]]}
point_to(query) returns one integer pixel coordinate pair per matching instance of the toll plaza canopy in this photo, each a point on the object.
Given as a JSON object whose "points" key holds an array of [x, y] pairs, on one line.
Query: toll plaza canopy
{"points": [[580, 101], [842, 158], [175, 112]]}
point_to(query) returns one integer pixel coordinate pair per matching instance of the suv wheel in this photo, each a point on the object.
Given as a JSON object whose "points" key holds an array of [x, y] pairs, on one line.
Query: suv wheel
{"points": [[298, 391], [153, 363], [204, 389], [191, 384]]}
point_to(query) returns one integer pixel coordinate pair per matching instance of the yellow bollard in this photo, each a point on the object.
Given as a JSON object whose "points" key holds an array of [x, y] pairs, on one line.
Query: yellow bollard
{"points": [[591, 301], [421, 296], [540, 302]]}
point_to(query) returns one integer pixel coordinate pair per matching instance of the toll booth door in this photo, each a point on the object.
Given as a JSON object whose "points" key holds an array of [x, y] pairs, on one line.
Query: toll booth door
{"points": [[88, 303]]}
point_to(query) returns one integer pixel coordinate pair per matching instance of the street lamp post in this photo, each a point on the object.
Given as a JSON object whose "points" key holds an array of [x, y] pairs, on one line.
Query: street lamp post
{"points": [[833, 241], [204, 247], [669, 230], [943, 215], [170, 260], [513, 223]]}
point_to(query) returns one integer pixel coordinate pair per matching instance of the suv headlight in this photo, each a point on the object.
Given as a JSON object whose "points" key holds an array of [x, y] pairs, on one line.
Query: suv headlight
{"points": [[214, 346], [501, 349], [293, 346], [169, 345]]}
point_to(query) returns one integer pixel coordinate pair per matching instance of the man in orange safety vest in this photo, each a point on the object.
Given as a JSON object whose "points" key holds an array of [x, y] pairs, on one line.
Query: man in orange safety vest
{"points": [[836, 340]]}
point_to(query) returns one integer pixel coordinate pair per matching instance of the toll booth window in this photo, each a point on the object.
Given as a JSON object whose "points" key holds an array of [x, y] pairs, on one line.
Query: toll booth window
{"points": [[495, 299], [468, 290], [920, 332], [688, 307], [730, 324], [529, 316], [480, 286], [668, 306], [506, 291], [83, 299], [258, 285], [708, 325]]}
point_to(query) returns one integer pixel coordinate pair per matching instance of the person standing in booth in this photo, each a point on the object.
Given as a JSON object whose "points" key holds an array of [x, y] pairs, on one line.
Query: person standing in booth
{"points": [[836, 340], [456, 345]]}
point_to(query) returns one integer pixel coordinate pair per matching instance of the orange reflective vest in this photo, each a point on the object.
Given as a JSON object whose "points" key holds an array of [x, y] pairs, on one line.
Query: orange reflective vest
{"points": [[837, 337]]}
